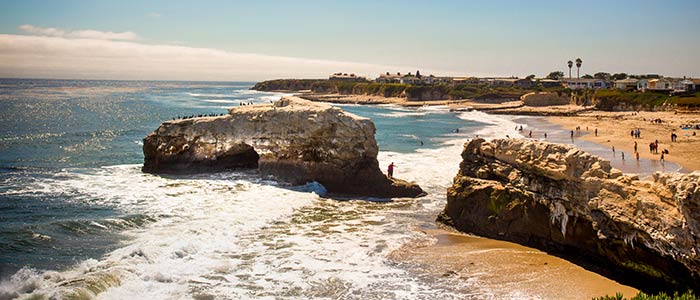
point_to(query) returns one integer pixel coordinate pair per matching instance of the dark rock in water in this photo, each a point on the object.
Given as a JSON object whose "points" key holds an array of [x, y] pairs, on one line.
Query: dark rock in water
{"points": [[563, 200], [293, 140]]}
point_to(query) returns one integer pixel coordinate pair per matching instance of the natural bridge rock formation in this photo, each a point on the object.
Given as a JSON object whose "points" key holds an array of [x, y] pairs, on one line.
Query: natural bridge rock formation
{"points": [[561, 199], [294, 140]]}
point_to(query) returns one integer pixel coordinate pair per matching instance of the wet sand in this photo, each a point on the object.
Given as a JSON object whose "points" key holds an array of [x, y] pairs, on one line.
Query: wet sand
{"points": [[507, 270]]}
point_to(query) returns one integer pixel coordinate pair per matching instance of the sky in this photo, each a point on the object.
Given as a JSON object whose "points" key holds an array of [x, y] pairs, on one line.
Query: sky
{"points": [[257, 40]]}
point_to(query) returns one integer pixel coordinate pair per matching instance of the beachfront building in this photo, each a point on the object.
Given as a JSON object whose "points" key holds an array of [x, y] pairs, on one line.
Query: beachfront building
{"points": [[626, 84], [465, 80], [346, 77], [549, 83], [685, 85], [696, 84], [660, 84], [584, 83], [389, 78], [432, 79], [507, 81], [410, 79]]}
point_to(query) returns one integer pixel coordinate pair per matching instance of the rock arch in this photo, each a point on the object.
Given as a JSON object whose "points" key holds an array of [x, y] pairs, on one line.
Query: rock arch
{"points": [[294, 140]]}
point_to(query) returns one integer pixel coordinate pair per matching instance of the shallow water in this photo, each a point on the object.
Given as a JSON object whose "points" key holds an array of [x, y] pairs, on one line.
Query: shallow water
{"points": [[79, 219]]}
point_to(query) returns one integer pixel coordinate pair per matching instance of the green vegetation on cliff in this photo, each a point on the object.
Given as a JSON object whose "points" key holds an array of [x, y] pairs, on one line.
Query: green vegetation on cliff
{"points": [[609, 99], [661, 296], [411, 92]]}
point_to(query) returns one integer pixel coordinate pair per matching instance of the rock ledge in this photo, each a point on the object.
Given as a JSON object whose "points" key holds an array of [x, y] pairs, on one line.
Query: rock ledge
{"points": [[293, 140], [560, 199]]}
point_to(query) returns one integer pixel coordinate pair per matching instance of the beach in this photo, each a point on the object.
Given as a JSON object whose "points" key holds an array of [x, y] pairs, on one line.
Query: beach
{"points": [[613, 127], [534, 272], [614, 131]]}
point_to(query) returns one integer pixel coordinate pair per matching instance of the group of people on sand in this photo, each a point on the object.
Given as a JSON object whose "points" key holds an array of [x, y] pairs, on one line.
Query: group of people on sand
{"points": [[690, 126], [245, 103], [178, 117], [636, 133]]}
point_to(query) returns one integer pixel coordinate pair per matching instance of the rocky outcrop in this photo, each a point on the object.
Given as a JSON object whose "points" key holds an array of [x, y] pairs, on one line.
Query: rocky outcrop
{"points": [[561, 199], [545, 99], [293, 140]]}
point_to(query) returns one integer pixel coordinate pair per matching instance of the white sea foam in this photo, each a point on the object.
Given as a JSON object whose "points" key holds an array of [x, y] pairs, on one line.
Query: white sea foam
{"points": [[498, 126], [236, 236], [221, 101]]}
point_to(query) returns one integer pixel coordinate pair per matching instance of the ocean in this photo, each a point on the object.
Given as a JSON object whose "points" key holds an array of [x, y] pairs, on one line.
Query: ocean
{"points": [[78, 219]]}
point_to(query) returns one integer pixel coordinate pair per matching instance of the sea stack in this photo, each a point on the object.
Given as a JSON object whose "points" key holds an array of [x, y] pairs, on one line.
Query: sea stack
{"points": [[294, 140], [563, 200]]}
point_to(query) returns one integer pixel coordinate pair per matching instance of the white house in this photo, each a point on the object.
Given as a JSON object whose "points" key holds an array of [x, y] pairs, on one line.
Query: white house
{"points": [[659, 84], [389, 78], [410, 80], [584, 83], [629, 83]]}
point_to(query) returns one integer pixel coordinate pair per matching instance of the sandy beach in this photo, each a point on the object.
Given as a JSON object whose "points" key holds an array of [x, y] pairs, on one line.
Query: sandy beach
{"points": [[614, 131], [504, 264]]}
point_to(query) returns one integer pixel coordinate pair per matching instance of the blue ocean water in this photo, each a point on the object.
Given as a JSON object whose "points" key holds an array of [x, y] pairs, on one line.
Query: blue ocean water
{"points": [[71, 191], [51, 130], [79, 220]]}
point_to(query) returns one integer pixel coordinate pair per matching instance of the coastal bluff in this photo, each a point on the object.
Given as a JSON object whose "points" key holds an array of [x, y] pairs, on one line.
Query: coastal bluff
{"points": [[293, 140], [645, 233]]}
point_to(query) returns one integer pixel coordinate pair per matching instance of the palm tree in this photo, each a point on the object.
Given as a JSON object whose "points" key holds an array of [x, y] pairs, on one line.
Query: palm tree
{"points": [[578, 66], [570, 64]]}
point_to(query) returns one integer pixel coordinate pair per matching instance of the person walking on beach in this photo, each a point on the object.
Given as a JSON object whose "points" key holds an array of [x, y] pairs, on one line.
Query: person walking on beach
{"points": [[635, 146], [637, 155], [545, 135], [596, 132], [662, 157], [530, 134], [390, 170], [623, 155]]}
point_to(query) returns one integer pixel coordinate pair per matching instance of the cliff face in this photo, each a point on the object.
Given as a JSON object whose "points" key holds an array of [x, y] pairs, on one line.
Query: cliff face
{"points": [[294, 140], [558, 198], [545, 99]]}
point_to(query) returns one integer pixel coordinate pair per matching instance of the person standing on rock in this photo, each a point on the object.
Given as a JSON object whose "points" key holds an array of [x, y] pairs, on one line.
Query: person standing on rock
{"points": [[390, 170]]}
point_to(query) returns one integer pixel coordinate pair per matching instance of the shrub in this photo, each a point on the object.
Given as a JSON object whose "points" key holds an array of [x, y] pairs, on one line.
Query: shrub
{"points": [[688, 295]]}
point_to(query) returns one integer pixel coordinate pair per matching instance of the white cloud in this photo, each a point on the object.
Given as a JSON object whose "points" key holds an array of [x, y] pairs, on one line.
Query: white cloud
{"points": [[79, 34], [56, 54], [154, 15]]}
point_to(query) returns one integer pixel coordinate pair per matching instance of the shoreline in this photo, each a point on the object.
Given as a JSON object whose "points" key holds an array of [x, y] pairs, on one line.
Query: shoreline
{"points": [[614, 131], [495, 264], [613, 127]]}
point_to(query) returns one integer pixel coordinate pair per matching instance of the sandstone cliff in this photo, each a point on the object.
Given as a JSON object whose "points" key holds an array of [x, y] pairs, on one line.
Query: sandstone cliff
{"points": [[294, 140], [560, 199], [545, 99]]}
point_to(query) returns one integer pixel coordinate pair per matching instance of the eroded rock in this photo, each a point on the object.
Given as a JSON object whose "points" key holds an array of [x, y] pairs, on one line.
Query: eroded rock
{"points": [[294, 140], [561, 199]]}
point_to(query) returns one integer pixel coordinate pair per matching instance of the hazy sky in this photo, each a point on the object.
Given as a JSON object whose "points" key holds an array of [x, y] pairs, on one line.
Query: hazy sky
{"points": [[254, 40]]}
